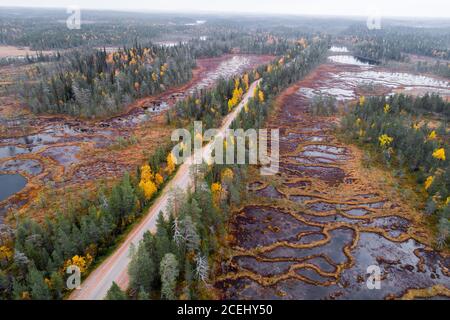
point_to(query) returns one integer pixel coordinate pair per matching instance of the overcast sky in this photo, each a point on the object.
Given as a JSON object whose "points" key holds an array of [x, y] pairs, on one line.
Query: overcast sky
{"points": [[412, 8]]}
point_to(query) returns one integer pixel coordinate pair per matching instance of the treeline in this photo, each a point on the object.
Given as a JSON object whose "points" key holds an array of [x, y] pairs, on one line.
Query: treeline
{"points": [[389, 43], [98, 83], [241, 41], [34, 256], [39, 56], [440, 68], [394, 127]]}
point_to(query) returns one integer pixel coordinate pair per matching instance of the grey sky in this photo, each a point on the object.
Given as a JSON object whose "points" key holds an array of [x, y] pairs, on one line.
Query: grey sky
{"points": [[412, 8]]}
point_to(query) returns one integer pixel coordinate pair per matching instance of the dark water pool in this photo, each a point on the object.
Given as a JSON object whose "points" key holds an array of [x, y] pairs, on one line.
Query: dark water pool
{"points": [[10, 184]]}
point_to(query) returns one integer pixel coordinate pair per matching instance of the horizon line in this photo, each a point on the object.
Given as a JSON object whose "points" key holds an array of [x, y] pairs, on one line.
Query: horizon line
{"points": [[217, 12]]}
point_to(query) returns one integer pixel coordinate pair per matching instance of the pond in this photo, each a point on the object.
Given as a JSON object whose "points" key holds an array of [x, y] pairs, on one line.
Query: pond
{"points": [[11, 184]]}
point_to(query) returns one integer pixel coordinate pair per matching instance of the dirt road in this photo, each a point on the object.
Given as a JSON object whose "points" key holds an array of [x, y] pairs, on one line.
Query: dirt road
{"points": [[115, 267]]}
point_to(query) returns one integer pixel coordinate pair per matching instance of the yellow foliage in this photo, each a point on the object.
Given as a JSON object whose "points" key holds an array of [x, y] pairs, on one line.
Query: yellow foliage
{"points": [[439, 154], [227, 174], [154, 76], [358, 122], [5, 253], [236, 83], [246, 81], [432, 135], [261, 96], [237, 94], [428, 182], [385, 140], [81, 262], [25, 295], [159, 179], [148, 187], [146, 173], [170, 163], [362, 99], [216, 189], [246, 108], [387, 108]]}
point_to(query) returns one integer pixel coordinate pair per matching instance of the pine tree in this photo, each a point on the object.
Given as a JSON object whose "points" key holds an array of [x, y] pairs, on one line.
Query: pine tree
{"points": [[115, 293], [39, 289], [189, 233], [141, 270], [169, 274], [57, 285]]}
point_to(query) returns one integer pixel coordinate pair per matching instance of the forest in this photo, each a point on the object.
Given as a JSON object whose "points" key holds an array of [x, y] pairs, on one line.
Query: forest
{"points": [[397, 128], [392, 42], [88, 84]]}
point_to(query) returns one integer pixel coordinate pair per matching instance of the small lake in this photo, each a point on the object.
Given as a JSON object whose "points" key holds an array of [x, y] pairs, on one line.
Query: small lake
{"points": [[11, 184], [347, 59]]}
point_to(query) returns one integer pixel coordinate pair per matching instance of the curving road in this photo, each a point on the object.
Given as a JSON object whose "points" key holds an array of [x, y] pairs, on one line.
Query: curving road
{"points": [[115, 267]]}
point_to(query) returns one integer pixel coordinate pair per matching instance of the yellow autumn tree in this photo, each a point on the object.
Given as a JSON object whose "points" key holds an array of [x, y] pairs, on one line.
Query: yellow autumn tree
{"points": [[246, 81], [237, 94], [362, 99], [216, 190], [82, 262], [385, 140], [432, 135], [428, 182], [159, 179], [170, 163], [146, 183], [227, 175], [146, 173], [261, 96], [5, 254], [439, 154], [148, 187]]}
